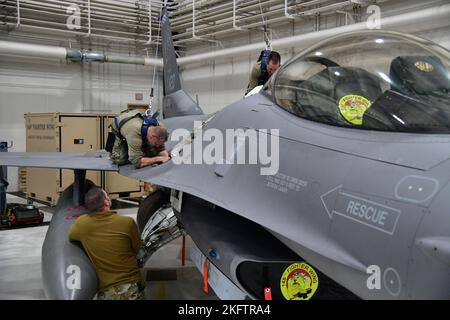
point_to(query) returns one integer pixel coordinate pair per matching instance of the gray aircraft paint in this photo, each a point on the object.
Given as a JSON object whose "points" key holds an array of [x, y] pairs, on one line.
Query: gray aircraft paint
{"points": [[400, 173], [369, 168], [403, 173], [63, 160], [67, 272], [176, 102], [369, 213]]}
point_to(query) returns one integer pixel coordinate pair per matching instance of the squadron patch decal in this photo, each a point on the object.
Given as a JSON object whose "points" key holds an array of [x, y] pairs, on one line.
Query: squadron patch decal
{"points": [[299, 282], [424, 66], [352, 108]]}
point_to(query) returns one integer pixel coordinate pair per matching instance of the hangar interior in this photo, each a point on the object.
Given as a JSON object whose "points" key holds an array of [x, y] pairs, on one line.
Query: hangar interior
{"points": [[39, 84], [217, 43]]}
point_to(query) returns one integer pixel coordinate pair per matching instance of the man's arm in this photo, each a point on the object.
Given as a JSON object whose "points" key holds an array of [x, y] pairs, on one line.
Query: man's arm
{"points": [[253, 79], [145, 161], [131, 131], [74, 234], [135, 154], [162, 157], [164, 153]]}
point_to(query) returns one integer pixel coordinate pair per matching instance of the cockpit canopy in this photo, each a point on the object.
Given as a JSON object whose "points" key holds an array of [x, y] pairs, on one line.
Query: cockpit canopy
{"points": [[374, 80]]}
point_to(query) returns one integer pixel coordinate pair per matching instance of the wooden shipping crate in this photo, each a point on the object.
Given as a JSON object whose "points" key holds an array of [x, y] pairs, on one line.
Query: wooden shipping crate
{"points": [[70, 132], [59, 132], [23, 180]]}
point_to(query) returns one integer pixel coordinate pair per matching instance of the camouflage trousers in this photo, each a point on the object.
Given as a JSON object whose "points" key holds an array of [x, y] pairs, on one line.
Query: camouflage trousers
{"points": [[127, 291]]}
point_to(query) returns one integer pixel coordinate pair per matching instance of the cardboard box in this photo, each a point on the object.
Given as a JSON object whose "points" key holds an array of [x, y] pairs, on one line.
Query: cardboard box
{"points": [[70, 132]]}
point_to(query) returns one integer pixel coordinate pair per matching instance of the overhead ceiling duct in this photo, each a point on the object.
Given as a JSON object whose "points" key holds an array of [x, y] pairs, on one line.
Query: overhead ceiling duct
{"points": [[74, 55], [425, 19]]}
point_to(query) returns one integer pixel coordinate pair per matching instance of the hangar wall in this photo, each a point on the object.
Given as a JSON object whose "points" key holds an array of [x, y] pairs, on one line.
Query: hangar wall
{"points": [[44, 85], [40, 85]]}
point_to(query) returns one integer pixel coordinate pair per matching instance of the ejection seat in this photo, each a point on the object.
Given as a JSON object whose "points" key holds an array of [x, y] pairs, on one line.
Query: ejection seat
{"points": [[324, 95], [418, 99]]}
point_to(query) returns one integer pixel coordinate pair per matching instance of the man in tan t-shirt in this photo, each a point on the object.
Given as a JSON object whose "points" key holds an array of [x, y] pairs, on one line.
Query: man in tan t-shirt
{"points": [[112, 242]]}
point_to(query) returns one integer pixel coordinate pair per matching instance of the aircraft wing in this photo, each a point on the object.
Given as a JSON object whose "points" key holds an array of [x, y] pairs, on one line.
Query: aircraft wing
{"points": [[64, 160], [91, 160]]}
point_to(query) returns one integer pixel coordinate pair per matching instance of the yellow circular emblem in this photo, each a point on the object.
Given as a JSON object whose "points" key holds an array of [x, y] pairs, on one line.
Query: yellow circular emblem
{"points": [[424, 66], [352, 108], [299, 282]]}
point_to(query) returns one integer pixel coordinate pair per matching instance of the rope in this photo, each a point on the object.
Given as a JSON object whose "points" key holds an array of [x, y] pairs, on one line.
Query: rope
{"points": [[266, 38], [149, 110]]}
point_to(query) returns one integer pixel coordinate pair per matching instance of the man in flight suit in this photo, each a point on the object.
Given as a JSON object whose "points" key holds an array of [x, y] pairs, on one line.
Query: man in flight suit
{"points": [[137, 143]]}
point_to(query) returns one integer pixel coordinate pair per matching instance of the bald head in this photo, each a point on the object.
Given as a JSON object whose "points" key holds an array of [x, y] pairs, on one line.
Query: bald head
{"points": [[96, 199], [157, 135]]}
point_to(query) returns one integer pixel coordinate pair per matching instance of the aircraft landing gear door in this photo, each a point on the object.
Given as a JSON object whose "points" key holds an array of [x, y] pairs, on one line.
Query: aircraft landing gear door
{"points": [[176, 199]]}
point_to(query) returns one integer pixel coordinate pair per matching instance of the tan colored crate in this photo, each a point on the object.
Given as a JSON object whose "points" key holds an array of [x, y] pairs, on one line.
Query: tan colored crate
{"points": [[53, 132], [70, 132], [23, 180], [126, 195]]}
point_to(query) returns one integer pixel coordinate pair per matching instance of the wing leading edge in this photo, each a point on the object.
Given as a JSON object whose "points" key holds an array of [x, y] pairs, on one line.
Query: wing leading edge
{"points": [[63, 160]]}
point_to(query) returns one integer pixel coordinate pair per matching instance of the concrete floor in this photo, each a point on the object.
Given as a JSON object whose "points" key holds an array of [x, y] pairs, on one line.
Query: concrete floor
{"points": [[20, 265]]}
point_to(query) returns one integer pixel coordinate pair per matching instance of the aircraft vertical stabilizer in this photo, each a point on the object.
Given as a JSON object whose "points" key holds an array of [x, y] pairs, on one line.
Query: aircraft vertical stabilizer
{"points": [[176, 102]]}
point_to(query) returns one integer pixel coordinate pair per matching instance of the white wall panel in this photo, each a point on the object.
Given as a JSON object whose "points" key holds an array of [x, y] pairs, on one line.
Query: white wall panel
{"points": [[39, 85]]}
